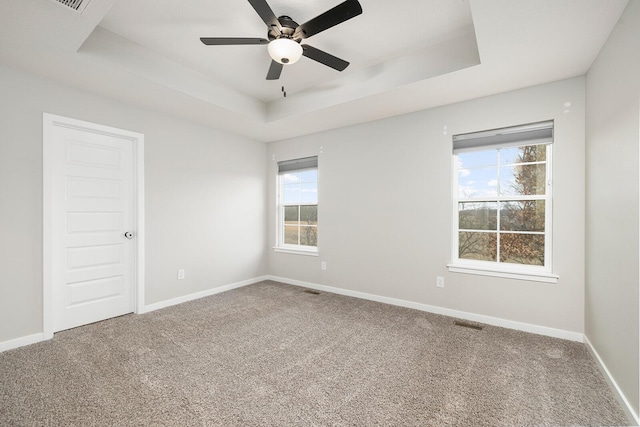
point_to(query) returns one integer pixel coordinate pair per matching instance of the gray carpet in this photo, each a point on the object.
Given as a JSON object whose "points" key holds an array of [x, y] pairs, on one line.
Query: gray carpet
{"points": [[273, 355]]}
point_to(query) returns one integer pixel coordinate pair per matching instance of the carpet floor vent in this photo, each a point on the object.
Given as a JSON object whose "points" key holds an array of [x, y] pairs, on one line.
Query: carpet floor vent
{"points": [[312, 292], [467, 325], [77, 5]]}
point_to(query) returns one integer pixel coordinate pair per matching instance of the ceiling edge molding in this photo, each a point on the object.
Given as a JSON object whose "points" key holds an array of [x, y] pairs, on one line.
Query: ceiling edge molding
{"points": [[446, 57], [114, 51]]}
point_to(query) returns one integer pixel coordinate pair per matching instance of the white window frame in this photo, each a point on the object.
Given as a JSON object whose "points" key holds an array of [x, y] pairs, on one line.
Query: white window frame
{"points": [[280, 246], [497, 268]]}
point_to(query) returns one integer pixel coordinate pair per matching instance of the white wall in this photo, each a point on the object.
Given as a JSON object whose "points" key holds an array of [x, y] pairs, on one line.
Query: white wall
{"points": [[613, 137], [205, 198], [385, 213]]}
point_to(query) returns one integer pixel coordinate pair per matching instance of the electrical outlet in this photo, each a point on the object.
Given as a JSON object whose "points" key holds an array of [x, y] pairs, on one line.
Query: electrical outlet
{"points": [[440, 282], [323, 265], [181, 274]]}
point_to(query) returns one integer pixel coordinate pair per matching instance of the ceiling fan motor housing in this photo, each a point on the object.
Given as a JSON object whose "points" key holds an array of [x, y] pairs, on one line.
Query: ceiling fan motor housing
{"points": [[288, 28], [283, 47]]}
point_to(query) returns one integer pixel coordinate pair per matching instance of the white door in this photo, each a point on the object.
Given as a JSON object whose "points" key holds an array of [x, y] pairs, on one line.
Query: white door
{"points": [[92, 254]]}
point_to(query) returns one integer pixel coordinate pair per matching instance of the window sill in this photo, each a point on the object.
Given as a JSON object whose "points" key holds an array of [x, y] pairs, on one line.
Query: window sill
{"points": [[519, 275], [296, 251]]}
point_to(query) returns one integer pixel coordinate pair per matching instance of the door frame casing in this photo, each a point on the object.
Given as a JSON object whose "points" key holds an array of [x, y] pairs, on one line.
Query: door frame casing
{"points": [[49, 121]]}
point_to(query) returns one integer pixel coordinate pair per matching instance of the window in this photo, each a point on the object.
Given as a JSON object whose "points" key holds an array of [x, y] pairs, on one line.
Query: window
{"points": [[502, 202], [298, 205]]}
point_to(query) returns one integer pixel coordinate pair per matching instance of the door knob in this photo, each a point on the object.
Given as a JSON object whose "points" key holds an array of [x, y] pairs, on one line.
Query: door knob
{"points": [[128, 235]]}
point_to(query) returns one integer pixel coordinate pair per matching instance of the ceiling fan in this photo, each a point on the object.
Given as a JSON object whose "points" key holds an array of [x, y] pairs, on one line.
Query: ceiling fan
{"points": [[284, 36]]}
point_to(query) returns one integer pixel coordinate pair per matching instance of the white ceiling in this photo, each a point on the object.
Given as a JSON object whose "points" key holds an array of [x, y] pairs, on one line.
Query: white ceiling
{"points": [[405, 55], [173, 29]]}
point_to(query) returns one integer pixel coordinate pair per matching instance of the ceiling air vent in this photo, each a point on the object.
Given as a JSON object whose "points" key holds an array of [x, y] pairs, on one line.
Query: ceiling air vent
{"points": [[77, 5]]}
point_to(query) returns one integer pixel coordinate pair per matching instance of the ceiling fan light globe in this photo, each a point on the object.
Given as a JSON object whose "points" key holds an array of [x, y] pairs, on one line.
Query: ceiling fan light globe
{"points": [[285, 51]]}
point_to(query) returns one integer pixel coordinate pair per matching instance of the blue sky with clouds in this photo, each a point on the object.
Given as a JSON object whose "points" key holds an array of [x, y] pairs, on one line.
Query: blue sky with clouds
{"points": [[300, 187], [480, 177]]}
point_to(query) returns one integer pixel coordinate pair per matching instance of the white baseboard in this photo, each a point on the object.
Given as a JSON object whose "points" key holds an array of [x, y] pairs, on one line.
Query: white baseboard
{"points": [[612, 383], [32, 339], [510, 324], [21, 342], [198, 295]]}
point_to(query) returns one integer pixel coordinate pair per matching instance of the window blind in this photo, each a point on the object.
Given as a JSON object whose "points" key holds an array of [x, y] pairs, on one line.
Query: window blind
{"points": [[530, 134], [297, 164]]}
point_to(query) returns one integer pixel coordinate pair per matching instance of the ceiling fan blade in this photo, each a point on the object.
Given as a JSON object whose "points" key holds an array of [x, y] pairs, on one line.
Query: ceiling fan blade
{"points": [[264, 11], [226, 41], [274, 70], [324, 58], [342, 12]]}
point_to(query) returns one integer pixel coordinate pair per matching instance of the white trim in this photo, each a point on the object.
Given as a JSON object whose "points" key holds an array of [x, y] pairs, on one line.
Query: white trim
{"points": [[280, 246], [138, 154], [35, 338], [137, 139], [296, 251], [201, 294], [612, 383], [495, 321], [47, 226], [21, 342], [504, 269], [530, 276]]}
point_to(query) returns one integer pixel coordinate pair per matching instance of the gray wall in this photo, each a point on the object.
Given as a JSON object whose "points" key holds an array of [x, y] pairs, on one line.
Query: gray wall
{"points": [[385, 214], [385, 210], [205, 198], [613, 136]]}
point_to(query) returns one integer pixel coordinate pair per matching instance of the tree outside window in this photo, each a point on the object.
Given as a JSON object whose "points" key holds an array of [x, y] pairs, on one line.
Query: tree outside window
{"points": [[503, 204]]}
